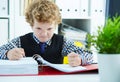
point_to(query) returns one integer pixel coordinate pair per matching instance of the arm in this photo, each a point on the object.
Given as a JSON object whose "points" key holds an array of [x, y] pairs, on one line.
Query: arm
{"points": [[9, 48], [76, 53]]}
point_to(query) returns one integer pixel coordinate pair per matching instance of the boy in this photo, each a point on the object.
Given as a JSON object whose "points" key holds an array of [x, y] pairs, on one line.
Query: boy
{"points": [[44, 17]]}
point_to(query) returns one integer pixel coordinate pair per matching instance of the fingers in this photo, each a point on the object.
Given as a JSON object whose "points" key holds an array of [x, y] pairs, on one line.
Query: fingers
{"points": [[74, 59], [22, 52], [15, 54], [15, 57]]}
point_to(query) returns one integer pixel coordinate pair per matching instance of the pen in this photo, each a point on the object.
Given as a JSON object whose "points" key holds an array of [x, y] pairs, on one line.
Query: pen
{"points": [[15, 47]]}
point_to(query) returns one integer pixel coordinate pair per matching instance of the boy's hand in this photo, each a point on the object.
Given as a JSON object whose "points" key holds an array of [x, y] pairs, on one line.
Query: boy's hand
{"points": [[74, 59], [15, 54]]}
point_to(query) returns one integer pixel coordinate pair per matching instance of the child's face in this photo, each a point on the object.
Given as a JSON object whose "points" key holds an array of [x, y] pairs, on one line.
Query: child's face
{"points": [[43, 31]]}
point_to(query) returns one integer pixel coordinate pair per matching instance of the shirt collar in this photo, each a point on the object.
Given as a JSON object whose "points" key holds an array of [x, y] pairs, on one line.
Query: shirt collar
{"points": [[38, 41]]}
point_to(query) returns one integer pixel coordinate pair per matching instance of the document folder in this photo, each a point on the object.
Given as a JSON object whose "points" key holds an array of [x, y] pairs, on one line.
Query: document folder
{"points": [[61, 67], [47, 70]]}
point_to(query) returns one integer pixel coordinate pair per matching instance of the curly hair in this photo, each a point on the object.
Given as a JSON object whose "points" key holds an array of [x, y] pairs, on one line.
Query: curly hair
{"points": [[43, 11]]}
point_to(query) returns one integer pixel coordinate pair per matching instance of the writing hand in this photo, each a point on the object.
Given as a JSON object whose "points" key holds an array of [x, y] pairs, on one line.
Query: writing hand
{"points": [[74, 59], [15, 54]]}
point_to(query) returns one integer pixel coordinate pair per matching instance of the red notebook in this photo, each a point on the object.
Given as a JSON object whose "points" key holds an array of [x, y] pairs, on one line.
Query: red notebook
{"points": [[46, 70]]}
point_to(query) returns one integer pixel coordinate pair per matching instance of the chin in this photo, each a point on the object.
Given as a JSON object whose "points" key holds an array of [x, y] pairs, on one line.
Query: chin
{"points": [[43, 40]]}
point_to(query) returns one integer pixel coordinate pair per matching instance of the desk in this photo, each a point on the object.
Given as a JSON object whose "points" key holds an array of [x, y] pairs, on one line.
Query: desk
{"points": [[52, 78]]}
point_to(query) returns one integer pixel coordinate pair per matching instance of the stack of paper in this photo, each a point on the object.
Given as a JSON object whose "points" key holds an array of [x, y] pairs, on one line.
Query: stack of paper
{"points": [[24, 66], [72, 32], [75, 34]]}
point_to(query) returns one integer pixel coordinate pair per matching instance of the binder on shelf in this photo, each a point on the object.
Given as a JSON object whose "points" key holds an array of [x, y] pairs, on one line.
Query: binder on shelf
{"points": [[84, 8], [98, 8], [3, 31], [22, 7], [97, 14], [4, 7], [69, 8]]}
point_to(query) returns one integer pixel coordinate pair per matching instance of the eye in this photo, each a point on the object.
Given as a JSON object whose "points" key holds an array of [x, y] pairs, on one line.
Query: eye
{"points": [[38, 28], [49, 28]]}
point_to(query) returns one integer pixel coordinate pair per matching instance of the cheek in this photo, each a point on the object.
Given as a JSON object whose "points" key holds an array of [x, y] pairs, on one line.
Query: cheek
{"points": [[36, 32], [50, 34]]}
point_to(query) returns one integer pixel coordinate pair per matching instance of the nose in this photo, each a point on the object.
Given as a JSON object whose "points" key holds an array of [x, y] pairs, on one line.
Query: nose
{"points": [[43, 33]]}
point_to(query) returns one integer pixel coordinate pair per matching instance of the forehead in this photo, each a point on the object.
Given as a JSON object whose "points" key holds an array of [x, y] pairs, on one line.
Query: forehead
{"points": [[43, 23]]}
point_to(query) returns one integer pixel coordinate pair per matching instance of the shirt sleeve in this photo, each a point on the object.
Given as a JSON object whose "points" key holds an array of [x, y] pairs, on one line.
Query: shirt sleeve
{"points": [[74, 46], [6, 47]]}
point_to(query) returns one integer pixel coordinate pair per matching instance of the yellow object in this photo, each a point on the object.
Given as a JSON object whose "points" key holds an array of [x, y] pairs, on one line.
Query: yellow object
{"points": [[65, 60], [77, 44]]}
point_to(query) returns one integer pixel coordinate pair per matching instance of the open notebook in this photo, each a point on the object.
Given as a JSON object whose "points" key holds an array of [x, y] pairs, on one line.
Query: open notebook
{"points": [[24, 66], [62, 67]]}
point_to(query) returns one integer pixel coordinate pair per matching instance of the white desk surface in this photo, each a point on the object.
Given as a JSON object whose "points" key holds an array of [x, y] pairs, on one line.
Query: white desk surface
{"points": [[52, 78]]}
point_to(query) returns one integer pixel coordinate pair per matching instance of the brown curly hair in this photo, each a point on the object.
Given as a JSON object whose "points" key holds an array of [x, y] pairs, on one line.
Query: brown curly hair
{"points": [[43, 11]]}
